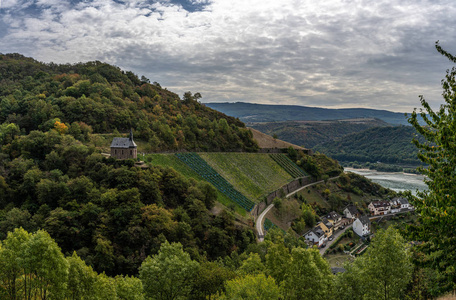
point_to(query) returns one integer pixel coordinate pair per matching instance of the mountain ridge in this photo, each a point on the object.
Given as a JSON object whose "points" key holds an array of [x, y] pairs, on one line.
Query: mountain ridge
{"points": [[271, 113]]}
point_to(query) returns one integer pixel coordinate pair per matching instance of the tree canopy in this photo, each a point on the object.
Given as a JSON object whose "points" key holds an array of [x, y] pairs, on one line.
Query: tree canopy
{"points": [[100, 98], [437, 205], [383, 272]]}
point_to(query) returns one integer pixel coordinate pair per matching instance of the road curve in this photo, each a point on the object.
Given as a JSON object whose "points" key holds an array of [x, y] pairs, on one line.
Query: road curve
{"points": [[259, 222], [310, 184]]}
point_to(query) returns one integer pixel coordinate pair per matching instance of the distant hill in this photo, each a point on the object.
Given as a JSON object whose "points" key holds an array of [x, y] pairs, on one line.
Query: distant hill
{"points": [[311, 133], [390, 145], [250, 112]]}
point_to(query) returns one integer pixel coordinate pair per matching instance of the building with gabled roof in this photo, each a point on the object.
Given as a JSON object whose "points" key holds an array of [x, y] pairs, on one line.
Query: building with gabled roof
{"points": [[335, 219], [404, 203], [351, 212], [362, 226], [124, 148], [326, 226], [316, 236], [379, 207]]}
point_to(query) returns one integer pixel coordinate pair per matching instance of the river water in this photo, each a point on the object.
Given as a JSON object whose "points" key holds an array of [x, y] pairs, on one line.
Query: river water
{"points": [[396, 181]]}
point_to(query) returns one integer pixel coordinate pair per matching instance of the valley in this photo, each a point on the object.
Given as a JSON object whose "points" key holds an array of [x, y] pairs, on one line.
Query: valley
{"points": [[116, 175]]}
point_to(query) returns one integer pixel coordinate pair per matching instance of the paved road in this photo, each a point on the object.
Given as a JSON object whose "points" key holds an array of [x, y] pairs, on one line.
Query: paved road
{"points": [[310, 184], [335, 236], [259, 222]]}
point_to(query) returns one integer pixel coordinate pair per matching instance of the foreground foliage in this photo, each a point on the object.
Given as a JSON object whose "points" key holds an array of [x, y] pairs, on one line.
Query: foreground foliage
{"points": [[32, 266], [383, 272], [437, 205]]}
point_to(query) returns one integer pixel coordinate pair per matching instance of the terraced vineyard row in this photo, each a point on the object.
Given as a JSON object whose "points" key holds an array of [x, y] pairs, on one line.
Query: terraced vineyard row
{"points": [[200, 166], [288, 165]]}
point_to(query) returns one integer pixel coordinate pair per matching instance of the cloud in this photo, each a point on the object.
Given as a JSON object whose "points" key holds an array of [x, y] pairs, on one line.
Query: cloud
{"points": [[332, 53]]}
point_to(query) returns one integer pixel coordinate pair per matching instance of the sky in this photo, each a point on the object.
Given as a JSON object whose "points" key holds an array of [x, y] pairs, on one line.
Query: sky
{"points": [[333, 53]]}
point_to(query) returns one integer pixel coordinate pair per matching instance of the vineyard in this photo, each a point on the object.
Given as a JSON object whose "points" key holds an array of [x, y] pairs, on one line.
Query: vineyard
{"points": [[288, 165], [196, 163], [255, 175]]}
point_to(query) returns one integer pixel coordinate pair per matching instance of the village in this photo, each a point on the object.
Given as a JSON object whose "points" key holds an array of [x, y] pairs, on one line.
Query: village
{"points": [[333, 224]]}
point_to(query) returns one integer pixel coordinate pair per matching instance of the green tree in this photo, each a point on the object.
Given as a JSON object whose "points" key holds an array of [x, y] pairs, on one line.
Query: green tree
{"points": [[278, 260], [389, 266], [11, 267], [436, 206], [252, 265], [46, 269], [308, 276], [32, 266], [81, 279], [308, 215], [209, 280], [251, 287], [105, 288], [168, 274], [383, 272], [129, 288]]}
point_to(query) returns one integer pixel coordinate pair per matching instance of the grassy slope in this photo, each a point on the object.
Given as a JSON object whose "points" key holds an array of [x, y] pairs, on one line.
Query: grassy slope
{"points": [[314, 194], [170, 160], [253, 174]]}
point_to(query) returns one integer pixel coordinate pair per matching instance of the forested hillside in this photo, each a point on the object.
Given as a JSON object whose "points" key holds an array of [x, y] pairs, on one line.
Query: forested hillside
{"points": [[111, 213], [392, 145], [86, 217], [97, 97], [311, 133]]}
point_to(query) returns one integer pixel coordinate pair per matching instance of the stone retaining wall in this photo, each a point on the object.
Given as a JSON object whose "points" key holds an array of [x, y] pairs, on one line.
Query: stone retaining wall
{"points": [[288, 188], [281, 192]]}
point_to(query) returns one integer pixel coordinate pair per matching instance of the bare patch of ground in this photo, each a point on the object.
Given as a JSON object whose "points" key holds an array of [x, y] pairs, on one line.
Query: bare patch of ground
{"points": [[267, 141], [283, 217]]}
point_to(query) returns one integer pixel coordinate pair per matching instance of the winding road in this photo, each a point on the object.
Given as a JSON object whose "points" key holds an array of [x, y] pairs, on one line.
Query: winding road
{"points": [[259, 222]]}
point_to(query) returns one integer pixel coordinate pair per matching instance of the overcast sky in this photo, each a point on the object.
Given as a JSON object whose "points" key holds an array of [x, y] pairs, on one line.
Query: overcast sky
{"points": [[332, 53]]}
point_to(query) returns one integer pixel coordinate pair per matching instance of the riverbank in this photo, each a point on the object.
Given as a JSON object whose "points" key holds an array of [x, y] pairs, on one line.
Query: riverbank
{"points": [[397, 181]]}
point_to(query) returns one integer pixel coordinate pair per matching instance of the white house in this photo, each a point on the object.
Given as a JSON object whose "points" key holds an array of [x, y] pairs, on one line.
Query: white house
{"points": [[362, 226], [395, 205], [379, 207], [404, 203], [351, 212], [316, 236]]}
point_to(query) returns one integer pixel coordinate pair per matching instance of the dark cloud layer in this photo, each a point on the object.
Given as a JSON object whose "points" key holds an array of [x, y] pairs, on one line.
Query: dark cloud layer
{"points": [[376, 54]]}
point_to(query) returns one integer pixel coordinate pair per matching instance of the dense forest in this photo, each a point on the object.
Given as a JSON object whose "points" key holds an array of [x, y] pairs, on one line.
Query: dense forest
{"points": [[97, 97], [110, 212], [390, 145], [312, 133]]}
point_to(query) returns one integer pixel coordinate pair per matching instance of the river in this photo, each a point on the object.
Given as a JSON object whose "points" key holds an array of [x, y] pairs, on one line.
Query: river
{"points": [[396, 181]]}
